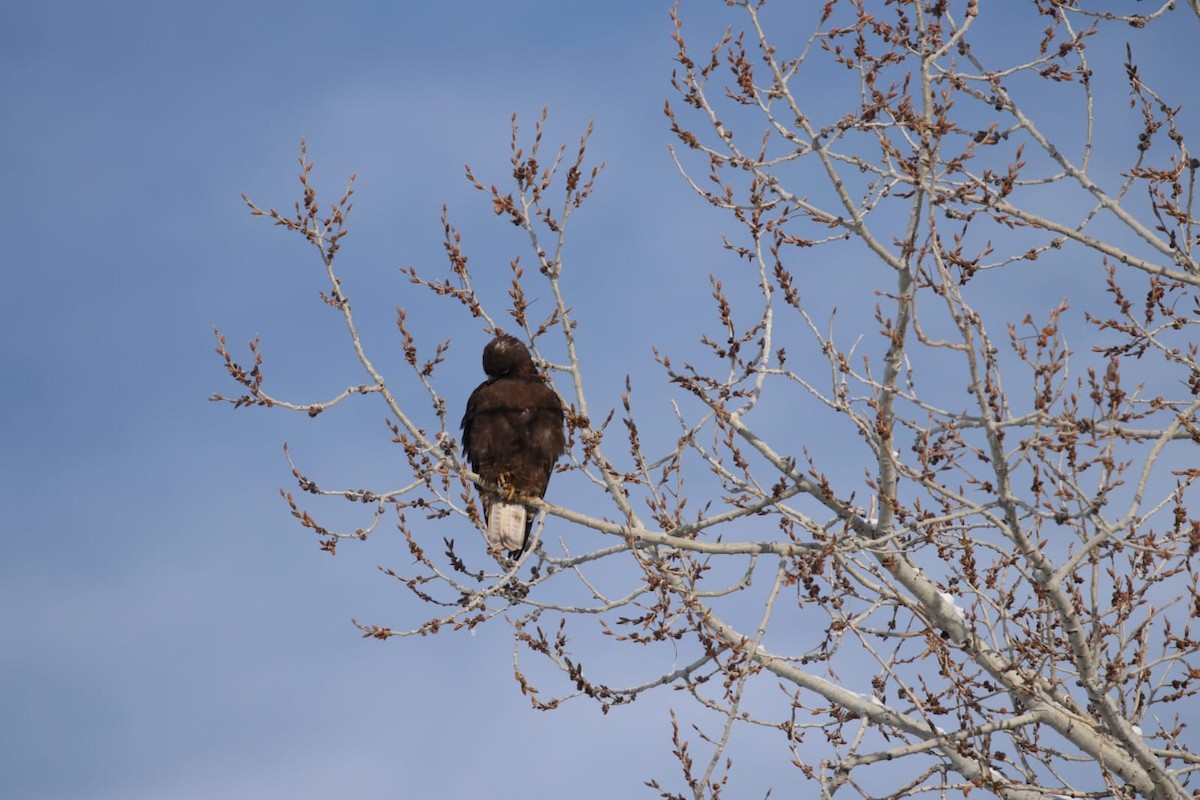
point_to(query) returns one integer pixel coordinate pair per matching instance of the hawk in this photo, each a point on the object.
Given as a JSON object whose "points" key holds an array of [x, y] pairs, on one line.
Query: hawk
{"points": [[512, 436]]}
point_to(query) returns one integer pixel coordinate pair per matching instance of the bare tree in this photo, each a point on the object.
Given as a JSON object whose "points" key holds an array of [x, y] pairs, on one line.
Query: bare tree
{"points": [[937, 535]]}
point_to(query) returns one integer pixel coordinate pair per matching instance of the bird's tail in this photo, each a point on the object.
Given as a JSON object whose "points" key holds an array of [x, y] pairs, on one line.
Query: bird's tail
{"points": [[506, 527]]}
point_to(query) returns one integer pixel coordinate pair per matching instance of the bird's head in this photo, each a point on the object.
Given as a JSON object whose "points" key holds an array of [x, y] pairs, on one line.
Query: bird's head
{"points": [[506, 355]]}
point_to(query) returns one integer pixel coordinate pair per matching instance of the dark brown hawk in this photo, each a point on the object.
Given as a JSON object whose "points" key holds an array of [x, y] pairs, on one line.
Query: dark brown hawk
{"points": [[512, 435]]}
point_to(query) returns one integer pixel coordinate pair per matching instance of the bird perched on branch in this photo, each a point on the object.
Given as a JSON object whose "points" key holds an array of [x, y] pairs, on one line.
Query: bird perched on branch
{"points": [[512, 436]]}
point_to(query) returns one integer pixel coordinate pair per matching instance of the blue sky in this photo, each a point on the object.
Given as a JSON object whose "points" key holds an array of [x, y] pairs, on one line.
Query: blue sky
{"points": [[168, 632]]}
